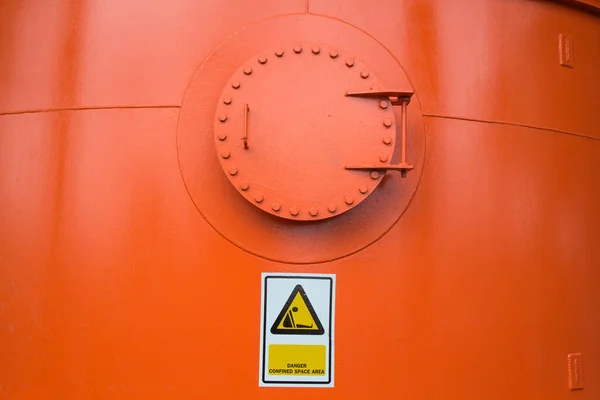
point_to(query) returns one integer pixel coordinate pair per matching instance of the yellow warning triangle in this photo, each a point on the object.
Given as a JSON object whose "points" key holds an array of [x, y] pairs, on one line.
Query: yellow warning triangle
{"points": [[297, 317]]}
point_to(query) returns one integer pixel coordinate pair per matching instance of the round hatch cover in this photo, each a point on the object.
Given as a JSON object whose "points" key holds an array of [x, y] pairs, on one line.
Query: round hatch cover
{"points": [[285, 130]]}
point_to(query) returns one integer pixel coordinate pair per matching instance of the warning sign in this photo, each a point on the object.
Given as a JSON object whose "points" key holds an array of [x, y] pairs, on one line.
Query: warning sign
{"points": [[297, 330], [297, 317]]}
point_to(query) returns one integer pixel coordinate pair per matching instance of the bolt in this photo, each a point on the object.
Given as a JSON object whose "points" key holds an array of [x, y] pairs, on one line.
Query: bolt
{"points": [[225, 154], [247, 70], [222, 136], [350, 63], [363, 189], [313, 211], [349, 200], [227, 100], [387, 122], [259, 199], [279, 53], [222, 117], [383, 157], [383, 104], [294, 211], [245, 186], [233, 171], [387, 140], [276, 206], [331, 207], [262, 59], [374, 175], [333, 53], [235, 84], [364, 74], [316, 49], [297, 49]]}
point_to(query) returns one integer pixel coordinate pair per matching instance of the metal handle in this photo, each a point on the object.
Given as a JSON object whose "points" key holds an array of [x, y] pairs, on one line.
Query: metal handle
{"points": [[245, 137]]}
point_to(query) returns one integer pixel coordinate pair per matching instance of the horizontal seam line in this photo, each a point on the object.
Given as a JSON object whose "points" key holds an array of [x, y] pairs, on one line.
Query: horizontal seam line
{"points": [[512, 124], [87, 109]]}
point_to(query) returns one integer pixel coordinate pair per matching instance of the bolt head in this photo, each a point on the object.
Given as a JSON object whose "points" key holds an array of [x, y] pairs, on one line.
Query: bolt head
{"points": [[387, 140], [349, 200], [374, 174], [279, 52], [297, 49], [387, 122], [227, 100], [364, 74], [383, 157], [313, 211], [233, 171], [383, 104], [349, 63], [226, 154], [276, 206], [222, 136], [222, 117], [332, 208], [262, 59], [316, 49], [333, 53], [235, 84], [363, 189], [259, 199], [247, 70], [294, 211], [245, 186]]}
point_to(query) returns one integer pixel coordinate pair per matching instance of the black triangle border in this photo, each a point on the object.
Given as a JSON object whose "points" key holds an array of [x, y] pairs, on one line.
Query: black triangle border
{"points": [[311, 310]]}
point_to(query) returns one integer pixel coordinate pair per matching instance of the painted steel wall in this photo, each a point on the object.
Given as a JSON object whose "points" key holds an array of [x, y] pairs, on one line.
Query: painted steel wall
{"points": [[113, 285]]}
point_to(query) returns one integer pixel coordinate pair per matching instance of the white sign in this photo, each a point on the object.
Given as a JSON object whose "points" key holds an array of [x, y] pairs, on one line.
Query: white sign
{"points": [[297, 330]]}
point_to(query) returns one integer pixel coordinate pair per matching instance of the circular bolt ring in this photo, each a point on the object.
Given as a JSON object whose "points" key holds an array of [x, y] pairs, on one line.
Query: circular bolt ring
{"points": [[383, 104], [276, 207]]}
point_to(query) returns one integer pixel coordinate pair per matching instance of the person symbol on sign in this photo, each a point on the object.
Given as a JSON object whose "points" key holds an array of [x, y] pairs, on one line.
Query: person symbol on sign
{"points": [[289, 322]]}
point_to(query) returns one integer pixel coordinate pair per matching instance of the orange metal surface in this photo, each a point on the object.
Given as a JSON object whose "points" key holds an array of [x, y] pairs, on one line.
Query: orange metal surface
{"points": [[130, 266]]}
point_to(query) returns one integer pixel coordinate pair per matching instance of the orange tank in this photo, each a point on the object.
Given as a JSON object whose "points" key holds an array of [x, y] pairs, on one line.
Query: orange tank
{"points": [[319, 199]]}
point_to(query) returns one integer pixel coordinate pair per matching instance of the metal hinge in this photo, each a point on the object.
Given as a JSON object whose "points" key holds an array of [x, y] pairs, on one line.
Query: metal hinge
{"points": [[397, 98]]}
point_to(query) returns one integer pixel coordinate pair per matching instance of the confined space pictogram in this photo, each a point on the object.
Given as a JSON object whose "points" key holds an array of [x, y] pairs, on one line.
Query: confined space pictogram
{"points": [[297, 317]]}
